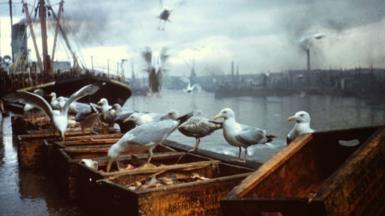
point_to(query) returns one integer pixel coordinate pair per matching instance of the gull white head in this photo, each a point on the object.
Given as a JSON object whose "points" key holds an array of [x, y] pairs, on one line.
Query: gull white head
{"points": [[103, 101], [134, 117], [226, 113], [116, 106], [52, 95], [170, 115], [300, 117]]}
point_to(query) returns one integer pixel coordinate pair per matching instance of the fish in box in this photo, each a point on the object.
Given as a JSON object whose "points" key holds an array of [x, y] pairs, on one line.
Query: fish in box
{"points": [[177, 185], [63, 162]]}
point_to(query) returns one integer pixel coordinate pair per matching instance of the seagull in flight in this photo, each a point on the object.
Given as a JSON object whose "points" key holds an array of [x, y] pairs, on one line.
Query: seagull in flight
{"points": [[59, 118]]}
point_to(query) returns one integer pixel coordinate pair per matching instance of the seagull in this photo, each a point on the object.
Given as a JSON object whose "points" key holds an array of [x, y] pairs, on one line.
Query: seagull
{"points": [[59, 102], [141, 118], [144, 137], [190, 88], [198, 126], [54, 101], [104, 105], [87, 119], [124, 126], [59, 118], [240, 135], [28, 107], [302, 125]]}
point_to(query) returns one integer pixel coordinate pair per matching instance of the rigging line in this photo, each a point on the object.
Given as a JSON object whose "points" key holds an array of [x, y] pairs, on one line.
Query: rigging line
{"points": [[80, 57]]}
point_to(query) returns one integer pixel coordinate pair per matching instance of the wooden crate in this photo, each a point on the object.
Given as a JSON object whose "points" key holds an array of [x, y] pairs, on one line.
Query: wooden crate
{"points": [[113, 197], [51, 147], [30, 147], [316, 175], [63, 162]]}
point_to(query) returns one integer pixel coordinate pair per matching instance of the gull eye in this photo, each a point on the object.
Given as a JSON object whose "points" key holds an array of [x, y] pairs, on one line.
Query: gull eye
{"points": [[302, 115]]}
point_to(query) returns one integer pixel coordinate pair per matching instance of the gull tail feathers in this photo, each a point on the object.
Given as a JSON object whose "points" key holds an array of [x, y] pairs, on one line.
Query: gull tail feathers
{"points": [[270, 137]]}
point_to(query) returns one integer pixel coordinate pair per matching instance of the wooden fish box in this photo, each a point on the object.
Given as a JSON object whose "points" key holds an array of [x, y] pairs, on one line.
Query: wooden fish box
{"points": [[51, 147], [63, 162], [339, 172], [114, 196], [30, 147], [20, 125]]}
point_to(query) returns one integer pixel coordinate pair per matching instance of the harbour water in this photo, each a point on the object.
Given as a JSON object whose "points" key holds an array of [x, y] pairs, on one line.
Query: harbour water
{"points": [[31, 193]]}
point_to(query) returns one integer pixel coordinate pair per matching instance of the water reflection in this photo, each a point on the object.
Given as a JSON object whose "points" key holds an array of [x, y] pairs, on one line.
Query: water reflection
{"points": [[27, 192]]}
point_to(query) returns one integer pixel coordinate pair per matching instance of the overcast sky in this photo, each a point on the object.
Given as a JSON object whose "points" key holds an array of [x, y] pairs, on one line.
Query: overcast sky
{"points": [[258, 35]]}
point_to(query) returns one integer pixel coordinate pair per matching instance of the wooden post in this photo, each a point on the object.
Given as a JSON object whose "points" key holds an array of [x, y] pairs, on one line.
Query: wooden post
{"points": [[56, 30], [64, 35], [43, 24], [29, 22]]}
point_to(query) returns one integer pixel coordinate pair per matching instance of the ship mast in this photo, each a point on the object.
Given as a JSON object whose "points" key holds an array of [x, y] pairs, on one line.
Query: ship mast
{"points": [[46, 60], [11, 16]]}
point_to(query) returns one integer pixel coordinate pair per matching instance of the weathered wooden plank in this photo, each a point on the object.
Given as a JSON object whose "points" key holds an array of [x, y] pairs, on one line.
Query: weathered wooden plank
{"points": [[330, 178], [269, 167], [193, 165], [225, 158], [359, 185]]}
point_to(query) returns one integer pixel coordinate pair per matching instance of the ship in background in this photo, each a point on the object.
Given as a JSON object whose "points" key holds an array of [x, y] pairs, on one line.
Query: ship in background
{"points": [[18, 72]]}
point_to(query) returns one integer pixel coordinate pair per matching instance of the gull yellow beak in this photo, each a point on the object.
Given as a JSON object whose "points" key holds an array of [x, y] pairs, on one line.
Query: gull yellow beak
{"points": [[217, 117], [292, 118], [126, 120], [109, 163]]}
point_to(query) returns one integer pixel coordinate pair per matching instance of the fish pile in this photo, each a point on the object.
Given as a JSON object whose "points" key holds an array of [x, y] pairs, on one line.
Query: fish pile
{"points": [[166, 179]]}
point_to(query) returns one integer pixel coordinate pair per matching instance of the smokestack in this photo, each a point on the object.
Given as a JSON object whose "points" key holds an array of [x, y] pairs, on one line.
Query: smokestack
{"points": [[308, 59]]}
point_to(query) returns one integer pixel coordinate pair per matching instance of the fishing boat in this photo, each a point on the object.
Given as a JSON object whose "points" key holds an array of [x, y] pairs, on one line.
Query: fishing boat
{"points": [[337, 172], [43, 74]]}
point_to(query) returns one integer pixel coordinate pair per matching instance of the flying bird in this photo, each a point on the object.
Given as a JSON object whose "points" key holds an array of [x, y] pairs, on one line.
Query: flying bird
{"points": [[191, 88], [302, 125], [59, 118], [28, 107], [198, 127], [164, 15], [239, 135], [144, 137]]}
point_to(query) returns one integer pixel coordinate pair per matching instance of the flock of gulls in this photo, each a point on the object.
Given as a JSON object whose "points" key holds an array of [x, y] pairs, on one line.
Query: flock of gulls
{"points": [[143, 131]]}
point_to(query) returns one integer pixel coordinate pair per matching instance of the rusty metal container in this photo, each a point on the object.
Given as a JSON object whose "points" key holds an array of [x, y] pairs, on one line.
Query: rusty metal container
{"points": [[109, 193], [339, 172]]}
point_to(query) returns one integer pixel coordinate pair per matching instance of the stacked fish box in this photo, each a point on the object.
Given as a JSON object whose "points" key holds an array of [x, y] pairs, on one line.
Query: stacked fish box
{"points": [[338, 172], [176, 183], [21, 124], [51, 147], [30, 146], [65, 155]]}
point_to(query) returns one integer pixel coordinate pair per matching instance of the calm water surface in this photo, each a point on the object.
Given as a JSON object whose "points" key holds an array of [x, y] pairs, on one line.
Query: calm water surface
{"points": [[269, 113], [29, 193]]}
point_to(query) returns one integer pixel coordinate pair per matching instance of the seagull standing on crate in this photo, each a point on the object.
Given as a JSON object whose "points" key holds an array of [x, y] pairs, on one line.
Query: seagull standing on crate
{"points": [[59, 118], [198, 126], [302, 125], [239, 135], [144, 137]]}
